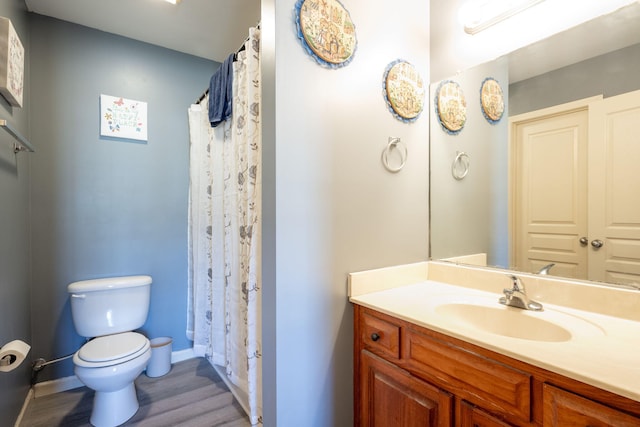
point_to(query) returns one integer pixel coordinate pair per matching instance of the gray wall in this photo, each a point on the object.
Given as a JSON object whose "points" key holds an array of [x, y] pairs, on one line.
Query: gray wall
{"points": [[470, 215], [611, 74], [330, 206], [107, 207], [14, 232]]}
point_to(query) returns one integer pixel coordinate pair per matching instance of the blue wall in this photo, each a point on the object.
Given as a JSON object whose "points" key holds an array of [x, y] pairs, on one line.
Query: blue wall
{"points": [[14, 233], [104, 207], [610, 74]]}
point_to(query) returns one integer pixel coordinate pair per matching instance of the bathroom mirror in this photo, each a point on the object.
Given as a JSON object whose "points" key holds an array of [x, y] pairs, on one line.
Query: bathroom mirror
{"points": [[471, 216]]}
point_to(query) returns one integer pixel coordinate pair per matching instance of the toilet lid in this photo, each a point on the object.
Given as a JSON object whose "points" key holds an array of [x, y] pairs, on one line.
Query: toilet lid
{"points": [[110, 347]]}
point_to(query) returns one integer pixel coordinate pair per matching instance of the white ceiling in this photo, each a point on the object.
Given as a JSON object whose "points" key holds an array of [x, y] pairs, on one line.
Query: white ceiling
{"points": [[209, 29]]}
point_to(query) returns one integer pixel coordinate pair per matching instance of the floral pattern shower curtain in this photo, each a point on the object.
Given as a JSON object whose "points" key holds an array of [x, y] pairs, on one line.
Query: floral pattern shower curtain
{"points": [[224, 312]]}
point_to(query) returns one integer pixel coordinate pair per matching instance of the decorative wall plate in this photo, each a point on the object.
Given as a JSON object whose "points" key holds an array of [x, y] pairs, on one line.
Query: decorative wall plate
{"points": [[326, 31], [492, 100], [451, 107], [403, 90]]}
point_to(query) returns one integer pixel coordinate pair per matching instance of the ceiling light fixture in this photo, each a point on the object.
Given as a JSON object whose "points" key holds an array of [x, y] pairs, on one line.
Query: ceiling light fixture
{"points": [[173, 1], [478, 15]]}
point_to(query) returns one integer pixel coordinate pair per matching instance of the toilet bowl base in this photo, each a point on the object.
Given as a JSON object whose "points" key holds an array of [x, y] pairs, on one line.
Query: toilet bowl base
{"points": [[113, 408]]}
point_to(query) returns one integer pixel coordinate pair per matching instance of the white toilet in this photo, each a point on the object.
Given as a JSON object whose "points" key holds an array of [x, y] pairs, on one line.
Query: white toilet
{"points": [[108, 310]]}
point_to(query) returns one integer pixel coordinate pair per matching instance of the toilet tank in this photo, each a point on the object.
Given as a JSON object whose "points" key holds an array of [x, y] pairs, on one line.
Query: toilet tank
{"points": [[110, 305]]}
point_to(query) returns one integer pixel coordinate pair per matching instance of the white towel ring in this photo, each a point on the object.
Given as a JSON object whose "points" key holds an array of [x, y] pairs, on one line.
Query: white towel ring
{"points": [[460, 165], [394, 142]]}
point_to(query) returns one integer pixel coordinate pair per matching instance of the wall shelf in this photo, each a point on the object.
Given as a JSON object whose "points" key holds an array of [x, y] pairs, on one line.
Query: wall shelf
{"points": [[21, 144]]}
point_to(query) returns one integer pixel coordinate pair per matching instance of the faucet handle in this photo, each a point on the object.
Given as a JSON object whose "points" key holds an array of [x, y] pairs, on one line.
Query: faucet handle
{"points": [[516, 283], [517, 296]]}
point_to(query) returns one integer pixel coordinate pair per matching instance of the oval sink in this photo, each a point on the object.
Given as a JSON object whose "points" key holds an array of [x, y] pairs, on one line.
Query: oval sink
{"points": [[517, 323]]}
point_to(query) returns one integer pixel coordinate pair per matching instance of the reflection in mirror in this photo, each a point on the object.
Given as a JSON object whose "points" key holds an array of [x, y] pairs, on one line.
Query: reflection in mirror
{"points": [[472, 216], [469, 216]]}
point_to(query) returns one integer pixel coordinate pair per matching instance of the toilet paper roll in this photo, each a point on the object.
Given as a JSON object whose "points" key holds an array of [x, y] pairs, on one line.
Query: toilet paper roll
{"points": [[13, 354]]}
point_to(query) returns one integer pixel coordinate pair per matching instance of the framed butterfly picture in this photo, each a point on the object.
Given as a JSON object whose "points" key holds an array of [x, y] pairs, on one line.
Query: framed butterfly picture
{"points": [[123, 118]]}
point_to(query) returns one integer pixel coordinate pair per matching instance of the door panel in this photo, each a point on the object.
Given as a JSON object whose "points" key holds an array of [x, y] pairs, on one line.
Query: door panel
{"points": [[551, 193], [614, 189], [562, 194]]}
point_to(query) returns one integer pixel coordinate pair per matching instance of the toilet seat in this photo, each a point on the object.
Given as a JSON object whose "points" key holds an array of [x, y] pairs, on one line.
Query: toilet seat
{"points": [[111, 350]]}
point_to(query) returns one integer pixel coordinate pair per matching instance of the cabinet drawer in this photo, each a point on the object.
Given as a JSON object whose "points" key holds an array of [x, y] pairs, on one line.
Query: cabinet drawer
{"points": [[470, 416], [562, 408], [380, 336], [473, 377]]}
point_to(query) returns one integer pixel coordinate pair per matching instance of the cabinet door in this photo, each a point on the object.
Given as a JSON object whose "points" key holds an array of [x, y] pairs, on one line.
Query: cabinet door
{"points": [[470, 416], [391, 397], [564, 409]]}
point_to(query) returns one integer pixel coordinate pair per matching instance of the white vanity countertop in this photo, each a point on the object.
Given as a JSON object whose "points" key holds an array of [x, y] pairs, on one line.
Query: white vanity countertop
{"points": [[603, 351]]}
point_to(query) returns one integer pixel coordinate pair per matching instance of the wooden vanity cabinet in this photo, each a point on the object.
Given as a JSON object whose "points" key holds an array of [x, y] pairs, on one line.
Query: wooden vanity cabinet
{"points": [[389, 396], [407, 375]]}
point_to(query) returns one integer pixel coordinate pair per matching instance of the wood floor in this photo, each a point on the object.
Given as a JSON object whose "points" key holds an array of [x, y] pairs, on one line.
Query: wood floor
{"points": [[191, 395]]}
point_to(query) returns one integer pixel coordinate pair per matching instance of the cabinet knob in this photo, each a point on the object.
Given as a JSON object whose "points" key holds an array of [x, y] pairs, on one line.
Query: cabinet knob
{"points": [[597, 243], [375, 337]]}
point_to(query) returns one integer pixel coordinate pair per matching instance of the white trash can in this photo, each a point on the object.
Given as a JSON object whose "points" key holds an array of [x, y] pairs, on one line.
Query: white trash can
{"points": [[160, 361]]}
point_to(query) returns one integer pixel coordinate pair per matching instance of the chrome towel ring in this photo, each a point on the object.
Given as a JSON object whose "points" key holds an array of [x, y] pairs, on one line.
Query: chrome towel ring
{"points": [[394, 142], [460, 165]]}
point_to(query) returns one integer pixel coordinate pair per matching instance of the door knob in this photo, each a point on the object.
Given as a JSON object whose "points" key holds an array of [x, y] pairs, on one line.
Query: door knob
{"points": [[597, 243], [584, 241]]}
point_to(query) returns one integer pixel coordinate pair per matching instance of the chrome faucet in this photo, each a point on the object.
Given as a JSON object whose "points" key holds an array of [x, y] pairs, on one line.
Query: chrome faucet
{"points": [[546, 268], [517, 296]]}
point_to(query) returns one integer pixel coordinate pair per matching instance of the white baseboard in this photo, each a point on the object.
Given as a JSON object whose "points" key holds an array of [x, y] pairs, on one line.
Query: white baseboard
{"points": [[30, 395], [68, 383], [46, 388], [181, 355]]}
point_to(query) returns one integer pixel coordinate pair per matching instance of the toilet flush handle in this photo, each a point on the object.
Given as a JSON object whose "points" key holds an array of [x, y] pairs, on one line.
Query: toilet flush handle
{"points": [[81, 296]]}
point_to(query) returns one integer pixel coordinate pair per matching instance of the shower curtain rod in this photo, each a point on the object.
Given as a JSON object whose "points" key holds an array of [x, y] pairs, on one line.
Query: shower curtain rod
{"points": [[240, 49]]}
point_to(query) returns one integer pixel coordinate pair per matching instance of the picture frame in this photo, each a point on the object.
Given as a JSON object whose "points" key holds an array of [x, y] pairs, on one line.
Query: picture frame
{"points": [[123, 118], [11, 64]]}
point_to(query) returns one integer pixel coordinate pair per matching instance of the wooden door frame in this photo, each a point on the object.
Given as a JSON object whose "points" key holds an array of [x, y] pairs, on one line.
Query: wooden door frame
{"points": [[512, 155]]}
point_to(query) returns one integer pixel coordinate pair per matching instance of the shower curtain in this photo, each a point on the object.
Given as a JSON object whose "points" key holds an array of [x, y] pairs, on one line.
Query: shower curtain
{"points": [[224, 306]]}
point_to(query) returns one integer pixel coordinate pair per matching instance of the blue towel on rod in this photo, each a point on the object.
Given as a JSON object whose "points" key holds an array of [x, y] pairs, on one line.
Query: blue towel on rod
{"points": [[221, 92]]}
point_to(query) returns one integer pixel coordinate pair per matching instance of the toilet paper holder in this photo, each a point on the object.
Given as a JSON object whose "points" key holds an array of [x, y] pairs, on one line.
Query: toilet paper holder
{"points": [[13, 354], [8, 360]]}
